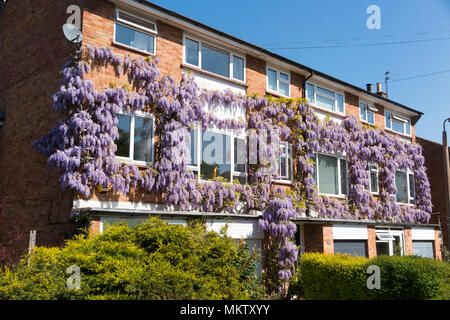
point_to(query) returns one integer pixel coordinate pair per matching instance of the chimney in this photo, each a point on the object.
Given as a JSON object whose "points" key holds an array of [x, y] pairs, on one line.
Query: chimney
{"points": [[369, 87], [380, 90]]}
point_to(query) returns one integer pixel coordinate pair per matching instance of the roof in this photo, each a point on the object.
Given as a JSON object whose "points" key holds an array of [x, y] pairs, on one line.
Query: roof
{"points": [[275, 56]]}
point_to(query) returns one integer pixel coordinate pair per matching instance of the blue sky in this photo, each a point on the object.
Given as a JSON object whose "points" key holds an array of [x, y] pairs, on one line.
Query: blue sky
{"points": [[277, 25]]}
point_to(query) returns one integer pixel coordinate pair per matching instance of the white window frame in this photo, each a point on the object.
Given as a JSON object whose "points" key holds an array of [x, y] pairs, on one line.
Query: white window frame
{"points": [[136, 27], [369, 108], [232, 136], [289, 164], [230, 54], [408, 173], [397, 118], [133, 115], [336, 92], [340, 158], [391, 232], [373, 167], [288, 81]]}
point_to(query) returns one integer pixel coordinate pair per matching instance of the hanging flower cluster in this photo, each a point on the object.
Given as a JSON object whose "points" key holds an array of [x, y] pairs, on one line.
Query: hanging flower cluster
{"points": [[83, 148]]}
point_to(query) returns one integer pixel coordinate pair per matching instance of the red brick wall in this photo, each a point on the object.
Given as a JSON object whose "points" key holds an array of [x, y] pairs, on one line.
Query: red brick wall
{"points": [[433, 153], [256, 76], [371, 242], [437, 246], [297, 81], [318, 238], [408, 242], [32, 51]]}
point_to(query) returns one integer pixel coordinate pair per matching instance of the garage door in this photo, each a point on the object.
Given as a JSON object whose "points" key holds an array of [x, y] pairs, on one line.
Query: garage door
{"points": [[423, 248], [351, 247]]}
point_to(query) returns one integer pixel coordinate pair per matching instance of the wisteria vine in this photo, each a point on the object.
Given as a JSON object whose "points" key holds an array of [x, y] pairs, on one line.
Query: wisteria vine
{"points": [[82, 147]]}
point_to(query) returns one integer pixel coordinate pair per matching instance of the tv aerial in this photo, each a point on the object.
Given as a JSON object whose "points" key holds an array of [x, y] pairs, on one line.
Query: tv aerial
{"points": [[73, 34]]}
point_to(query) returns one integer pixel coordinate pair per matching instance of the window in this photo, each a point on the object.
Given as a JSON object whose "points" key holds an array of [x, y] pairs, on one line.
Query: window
{"points": [[285, 164], [397, 123], [325, 98], [405, 184], [214, 60], [372, 171], [278, 82], [135, 32], [367, 112], [389, 242], [351, 247], [423, 248], [218, 154], [135, 142], [330, 174]]}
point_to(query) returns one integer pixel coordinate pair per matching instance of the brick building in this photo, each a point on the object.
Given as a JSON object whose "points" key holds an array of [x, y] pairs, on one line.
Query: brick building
{"points": [[33, 49], [435, 163]]}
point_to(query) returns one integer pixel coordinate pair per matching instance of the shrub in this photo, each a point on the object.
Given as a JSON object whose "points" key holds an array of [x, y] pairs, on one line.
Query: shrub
{"points": [[153, 260], [402, 277], [337, 276]]}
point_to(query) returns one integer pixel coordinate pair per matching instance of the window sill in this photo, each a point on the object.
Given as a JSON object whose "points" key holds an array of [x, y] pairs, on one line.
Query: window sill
{"points": [[284, 182], [398, 133], [367, 123], [139, 164], [338, 114], [124, 46], [211, 74], [274, 93], [341, 197]]}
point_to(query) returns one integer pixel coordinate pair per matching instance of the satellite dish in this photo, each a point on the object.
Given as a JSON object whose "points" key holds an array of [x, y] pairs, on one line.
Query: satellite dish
{"points": [[72, 33]]}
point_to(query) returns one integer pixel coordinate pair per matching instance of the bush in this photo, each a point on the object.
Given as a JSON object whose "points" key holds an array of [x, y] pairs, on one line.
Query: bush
{"points": [[402, 277], [153, 260]]}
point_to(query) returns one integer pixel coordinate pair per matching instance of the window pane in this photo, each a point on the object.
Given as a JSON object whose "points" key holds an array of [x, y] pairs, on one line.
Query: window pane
{"points": [[134, 38], [412, 188], [123, 143], [370, 117], [383, 248], [325, 91], [310, 92], [284, 89], [215, 156], [241, 179], [408, 127], [398, 126], [193, 147], [325, 102], [240, 155], [215, 61], [143, 132], [238, 68], [137, 21], [191, 52], [351, 247], [284, 76], [362, 111], [374, 181], [402, 187], [340, 102], [343, 169], [423, 249], [272, 79], [328, 174], [387, 116]]}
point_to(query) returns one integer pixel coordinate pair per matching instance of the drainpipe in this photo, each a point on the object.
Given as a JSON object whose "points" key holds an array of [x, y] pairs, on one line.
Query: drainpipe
{"points": [[304, 83], [447, 178]]}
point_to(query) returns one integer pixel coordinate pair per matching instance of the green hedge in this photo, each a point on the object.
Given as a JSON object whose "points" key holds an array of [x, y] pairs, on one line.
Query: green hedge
{"points": [[153, 260], [339, 276]]}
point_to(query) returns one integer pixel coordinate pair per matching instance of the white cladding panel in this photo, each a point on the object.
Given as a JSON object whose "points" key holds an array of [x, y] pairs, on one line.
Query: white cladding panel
{"points": [[237, 229], [349, 232], [422, 233]]}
